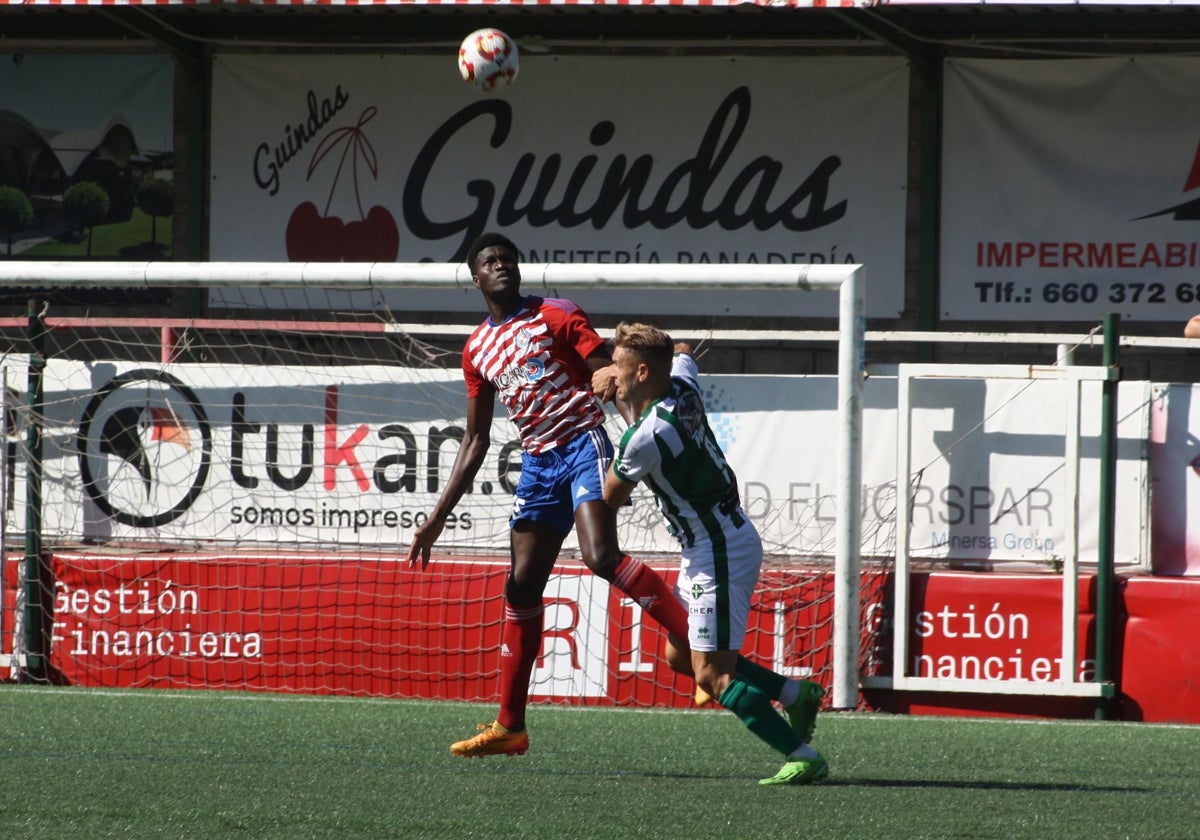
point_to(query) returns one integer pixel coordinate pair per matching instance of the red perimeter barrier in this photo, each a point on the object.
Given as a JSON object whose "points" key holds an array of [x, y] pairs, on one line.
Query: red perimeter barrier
{"points": [[993, 627], [369, 625], [1161, 661]]}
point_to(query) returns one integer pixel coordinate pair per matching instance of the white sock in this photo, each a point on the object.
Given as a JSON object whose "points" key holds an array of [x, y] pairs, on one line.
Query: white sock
{"points": [[803, 752], [790, 693]]}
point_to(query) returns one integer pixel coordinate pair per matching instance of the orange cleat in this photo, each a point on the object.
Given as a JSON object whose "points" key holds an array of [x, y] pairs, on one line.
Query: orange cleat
{"points": [[493, 739]]}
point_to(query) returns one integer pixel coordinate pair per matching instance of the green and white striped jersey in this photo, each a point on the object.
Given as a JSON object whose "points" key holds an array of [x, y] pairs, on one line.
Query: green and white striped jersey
{"points": [[673, 450]]}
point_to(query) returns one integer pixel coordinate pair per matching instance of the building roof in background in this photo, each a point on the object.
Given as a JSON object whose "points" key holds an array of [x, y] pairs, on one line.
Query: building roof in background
{"points": [[916, 27], [633, 3]]}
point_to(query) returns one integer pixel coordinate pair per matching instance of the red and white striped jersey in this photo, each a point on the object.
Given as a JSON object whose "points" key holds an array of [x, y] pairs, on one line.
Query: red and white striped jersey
{"points": [[535, 362]]}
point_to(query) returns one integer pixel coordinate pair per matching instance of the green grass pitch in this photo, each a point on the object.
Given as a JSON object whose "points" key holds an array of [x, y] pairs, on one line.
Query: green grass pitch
{"points": [[80, 763]]}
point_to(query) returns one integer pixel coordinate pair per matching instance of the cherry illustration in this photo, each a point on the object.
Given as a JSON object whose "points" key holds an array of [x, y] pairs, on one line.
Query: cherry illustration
{"points": [[314, 236]]}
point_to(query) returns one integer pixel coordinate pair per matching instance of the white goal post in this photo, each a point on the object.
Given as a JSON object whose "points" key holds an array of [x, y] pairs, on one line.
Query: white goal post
{"points": [[848, 280]]}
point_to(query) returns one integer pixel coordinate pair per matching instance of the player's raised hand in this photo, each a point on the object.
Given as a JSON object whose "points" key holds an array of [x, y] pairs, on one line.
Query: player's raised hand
{"points": [[423, 539], [604, 383]]}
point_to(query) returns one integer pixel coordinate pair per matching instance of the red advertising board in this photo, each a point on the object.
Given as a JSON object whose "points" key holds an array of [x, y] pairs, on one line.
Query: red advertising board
{"points": [[369, 625], [1161, 666], [994, 627]]}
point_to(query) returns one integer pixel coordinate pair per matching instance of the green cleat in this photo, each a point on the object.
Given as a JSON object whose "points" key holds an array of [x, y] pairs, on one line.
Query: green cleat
{"points": [[802, 714], [801, 771]]}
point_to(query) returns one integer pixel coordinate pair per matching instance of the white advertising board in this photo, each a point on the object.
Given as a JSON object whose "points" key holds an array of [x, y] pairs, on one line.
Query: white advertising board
{"points": [[989, 477], [584, 159], [1071, 189], [213, 455]]}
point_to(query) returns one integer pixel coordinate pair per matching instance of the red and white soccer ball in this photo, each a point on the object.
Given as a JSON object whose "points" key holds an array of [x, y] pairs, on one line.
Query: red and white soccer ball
{"points": [[488, 59]]}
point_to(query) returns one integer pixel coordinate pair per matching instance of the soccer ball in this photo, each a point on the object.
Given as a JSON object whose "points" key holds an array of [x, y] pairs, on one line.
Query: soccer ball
{"points": [[487, 59]]}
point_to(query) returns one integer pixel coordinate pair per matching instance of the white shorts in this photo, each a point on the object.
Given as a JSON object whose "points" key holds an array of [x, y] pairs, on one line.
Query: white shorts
{"points": [[716, 582]]}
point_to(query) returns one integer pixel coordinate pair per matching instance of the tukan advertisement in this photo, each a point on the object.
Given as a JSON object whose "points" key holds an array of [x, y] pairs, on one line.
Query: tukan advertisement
{"points": [[233, 456]]}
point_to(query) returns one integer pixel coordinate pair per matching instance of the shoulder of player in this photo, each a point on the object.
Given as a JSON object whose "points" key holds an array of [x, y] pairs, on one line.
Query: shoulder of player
{"points": [[477, 339], [682, 384], [659, 417], [562, 304], [552, 308], [638, 440], [480, 328], [684, 365]]}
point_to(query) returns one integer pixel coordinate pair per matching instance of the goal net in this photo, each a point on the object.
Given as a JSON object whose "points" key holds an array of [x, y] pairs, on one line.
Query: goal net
{"points": [[227, 500]]}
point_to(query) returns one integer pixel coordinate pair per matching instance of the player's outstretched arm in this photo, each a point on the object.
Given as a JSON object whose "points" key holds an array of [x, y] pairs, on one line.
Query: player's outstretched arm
{"points": [[471, 453]]}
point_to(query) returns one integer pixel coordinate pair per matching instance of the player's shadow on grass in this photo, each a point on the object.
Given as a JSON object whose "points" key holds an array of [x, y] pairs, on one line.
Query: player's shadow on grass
{"points": [[1022, 786], [834, 781]]}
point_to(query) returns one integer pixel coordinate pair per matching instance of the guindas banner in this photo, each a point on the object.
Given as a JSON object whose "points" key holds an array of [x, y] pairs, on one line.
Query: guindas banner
{"points": [[584, 159], [229, 456], [1071, 189]]}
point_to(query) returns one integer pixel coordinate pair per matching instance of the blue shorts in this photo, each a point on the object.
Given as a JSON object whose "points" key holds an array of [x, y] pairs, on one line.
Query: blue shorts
{"points": [[555, 483]]}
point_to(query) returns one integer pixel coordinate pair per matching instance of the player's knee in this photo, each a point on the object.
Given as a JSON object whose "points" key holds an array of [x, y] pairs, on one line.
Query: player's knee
{"points": [[713, 680], [714, 670], [601, 562], [521, 594], [679, 657]]}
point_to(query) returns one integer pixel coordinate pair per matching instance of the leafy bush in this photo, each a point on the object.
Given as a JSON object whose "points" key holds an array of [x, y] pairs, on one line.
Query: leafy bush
{"points": [[156, 197], [16, 213], [86, 205]]}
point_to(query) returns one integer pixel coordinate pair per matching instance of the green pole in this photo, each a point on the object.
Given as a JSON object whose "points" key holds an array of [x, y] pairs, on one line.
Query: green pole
{"points": [[1105, 601], [35, 640]]}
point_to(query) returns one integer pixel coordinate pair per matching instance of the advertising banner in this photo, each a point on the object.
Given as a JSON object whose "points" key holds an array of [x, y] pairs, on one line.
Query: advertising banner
{"points": [[372, 626], [989, 473], [239, 456], [393, 158], [1015, 633], [1071, 189], [369, 626], [87, 140], [282, 455]]}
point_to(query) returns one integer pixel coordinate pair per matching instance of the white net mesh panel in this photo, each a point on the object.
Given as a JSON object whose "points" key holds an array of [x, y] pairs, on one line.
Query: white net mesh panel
{"points": [[226, 502]]}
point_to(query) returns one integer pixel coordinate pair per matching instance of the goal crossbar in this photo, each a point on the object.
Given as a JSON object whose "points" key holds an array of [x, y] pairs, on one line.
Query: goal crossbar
{"points": [[848, 280], [33, 273]]}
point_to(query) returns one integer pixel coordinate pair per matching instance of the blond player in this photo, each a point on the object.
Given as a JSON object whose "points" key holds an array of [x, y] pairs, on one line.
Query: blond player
{"points": [[671, 448]]}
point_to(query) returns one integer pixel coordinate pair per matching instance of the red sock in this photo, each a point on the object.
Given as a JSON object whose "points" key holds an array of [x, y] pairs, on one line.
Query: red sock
{"points": [[520, 644], [653, 594]]}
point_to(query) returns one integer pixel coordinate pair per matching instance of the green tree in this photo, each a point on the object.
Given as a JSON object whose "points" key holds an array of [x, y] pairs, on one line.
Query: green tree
{"points": [[16, 213], [156, 197], [86, 205]]}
